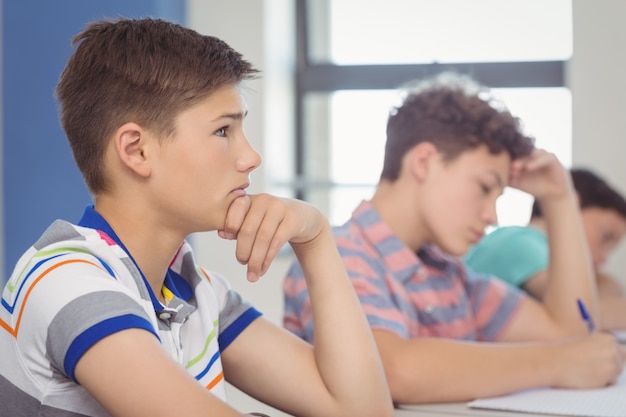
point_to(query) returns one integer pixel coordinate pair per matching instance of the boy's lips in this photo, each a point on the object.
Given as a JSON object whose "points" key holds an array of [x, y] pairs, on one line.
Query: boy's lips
{"points": [[241, 190], [477, 235]]}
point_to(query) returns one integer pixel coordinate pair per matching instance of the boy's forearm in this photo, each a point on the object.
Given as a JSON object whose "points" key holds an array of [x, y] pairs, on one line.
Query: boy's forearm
{"points": [[345, 351], [439, 370], [570, 273]]}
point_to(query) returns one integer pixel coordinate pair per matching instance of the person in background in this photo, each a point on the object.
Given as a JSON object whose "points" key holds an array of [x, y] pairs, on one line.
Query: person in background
{"points": [[520, 254], [112, 316], [444, 332]]}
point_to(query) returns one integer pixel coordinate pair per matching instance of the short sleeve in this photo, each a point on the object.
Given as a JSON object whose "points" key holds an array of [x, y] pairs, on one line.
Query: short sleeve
{"points": [[235, 313], [493, 303], [381, 305], [75, 306], [369, 283]]}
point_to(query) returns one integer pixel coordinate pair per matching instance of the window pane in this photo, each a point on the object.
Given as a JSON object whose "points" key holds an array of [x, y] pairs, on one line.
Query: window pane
{"points": [[351, 161], [357, 129], [424, 31], [547, 115]]}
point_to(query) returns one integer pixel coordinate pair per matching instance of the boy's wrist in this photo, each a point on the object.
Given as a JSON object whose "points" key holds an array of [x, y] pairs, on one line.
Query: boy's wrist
{"points": [[557, 203], [554, 365], [325, 232]]}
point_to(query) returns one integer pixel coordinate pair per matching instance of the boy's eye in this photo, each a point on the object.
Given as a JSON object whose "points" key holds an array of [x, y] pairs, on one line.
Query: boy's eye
{"points": [[608, 237], [485, 188], [221, 131]]}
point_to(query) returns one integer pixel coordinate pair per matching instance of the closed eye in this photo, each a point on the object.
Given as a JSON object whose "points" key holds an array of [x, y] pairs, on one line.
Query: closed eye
{"points": [[609, 237]]}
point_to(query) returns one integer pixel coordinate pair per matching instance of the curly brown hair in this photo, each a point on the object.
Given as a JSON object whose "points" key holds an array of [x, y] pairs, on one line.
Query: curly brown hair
{"points": [[137, 70], [456, 114]]}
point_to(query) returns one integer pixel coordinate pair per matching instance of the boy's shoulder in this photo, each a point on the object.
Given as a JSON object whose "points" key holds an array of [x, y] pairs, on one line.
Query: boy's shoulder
{"points": [[64, 246], [363, 231], [63, 238], [63, 235]]}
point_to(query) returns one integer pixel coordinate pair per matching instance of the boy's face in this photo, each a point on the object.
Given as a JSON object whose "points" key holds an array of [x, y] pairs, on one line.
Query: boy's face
{"points": [[206, 164], [604, 229], [460, 198]]}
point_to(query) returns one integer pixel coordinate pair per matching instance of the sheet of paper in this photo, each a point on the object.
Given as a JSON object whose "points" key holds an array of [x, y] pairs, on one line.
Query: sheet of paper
{"points": [[601, 402], [620, 335]]}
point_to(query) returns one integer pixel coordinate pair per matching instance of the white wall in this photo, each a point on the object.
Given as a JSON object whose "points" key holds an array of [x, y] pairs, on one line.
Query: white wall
{"points": [[262, 31], [597, 78]]}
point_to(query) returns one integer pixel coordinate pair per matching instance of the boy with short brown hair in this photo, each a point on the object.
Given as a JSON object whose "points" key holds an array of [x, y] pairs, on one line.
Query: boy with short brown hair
{"points": [[112, 316]]}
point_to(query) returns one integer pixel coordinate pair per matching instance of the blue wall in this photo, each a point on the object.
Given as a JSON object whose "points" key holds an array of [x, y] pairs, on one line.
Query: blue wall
{"points": [[41, 182]]}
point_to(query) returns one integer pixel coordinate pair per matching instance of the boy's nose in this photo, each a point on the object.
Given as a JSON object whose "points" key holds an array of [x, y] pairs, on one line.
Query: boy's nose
{"points": [[250, 160], [490, 215]]}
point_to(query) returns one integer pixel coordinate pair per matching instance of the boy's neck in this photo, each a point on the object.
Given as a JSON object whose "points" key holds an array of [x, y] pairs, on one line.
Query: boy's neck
{"points": [[399, 212], [147, 243]]}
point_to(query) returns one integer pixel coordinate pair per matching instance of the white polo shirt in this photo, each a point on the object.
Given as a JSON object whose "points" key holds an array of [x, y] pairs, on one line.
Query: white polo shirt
{"points": [[76, 285]]}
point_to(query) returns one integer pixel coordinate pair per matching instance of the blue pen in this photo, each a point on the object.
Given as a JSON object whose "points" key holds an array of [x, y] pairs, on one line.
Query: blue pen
{"points": [[586, 316]]}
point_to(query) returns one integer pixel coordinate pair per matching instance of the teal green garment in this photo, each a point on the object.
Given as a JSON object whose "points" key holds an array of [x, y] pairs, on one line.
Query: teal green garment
{"points": [[512, 253]]}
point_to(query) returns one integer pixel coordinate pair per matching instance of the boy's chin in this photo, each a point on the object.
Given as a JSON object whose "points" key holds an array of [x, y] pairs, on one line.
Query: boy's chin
{"points": [[457, 249]]}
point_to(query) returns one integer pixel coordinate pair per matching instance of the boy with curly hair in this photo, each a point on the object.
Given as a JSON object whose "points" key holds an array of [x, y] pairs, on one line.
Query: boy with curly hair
{"points": [[445, 333]]}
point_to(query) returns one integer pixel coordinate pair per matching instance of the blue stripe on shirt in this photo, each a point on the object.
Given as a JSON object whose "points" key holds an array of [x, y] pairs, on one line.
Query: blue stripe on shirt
{"points": [[94, 334], [232, 331]]}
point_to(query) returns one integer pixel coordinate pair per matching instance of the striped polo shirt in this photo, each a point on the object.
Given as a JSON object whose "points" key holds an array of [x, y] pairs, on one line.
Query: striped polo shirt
{"points": [[76, 285], [428, 294]]}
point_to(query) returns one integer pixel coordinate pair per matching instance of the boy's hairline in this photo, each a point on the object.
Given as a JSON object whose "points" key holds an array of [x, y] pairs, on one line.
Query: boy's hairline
{"points": [[150, 126]]}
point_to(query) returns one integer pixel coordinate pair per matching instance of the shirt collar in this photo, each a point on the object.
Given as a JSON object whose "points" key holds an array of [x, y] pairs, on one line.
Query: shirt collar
{"points": [[176, 284], [399, 259]]}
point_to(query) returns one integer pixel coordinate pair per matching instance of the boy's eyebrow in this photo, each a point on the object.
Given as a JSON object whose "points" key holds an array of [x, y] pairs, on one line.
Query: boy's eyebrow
{"points": [[235, 116], [498, 178]]}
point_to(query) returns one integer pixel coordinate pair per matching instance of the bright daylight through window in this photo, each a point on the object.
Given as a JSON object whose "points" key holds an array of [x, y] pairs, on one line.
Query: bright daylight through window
{"points": [[344, 128]]}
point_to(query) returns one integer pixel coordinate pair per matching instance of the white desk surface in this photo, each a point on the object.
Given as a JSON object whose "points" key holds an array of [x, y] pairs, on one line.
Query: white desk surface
{"points": [[455, 409], [461, 408]]}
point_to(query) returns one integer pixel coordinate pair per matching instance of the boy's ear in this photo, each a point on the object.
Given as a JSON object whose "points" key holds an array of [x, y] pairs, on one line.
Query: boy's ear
{"points": [[130, 146], [420, 159]]}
